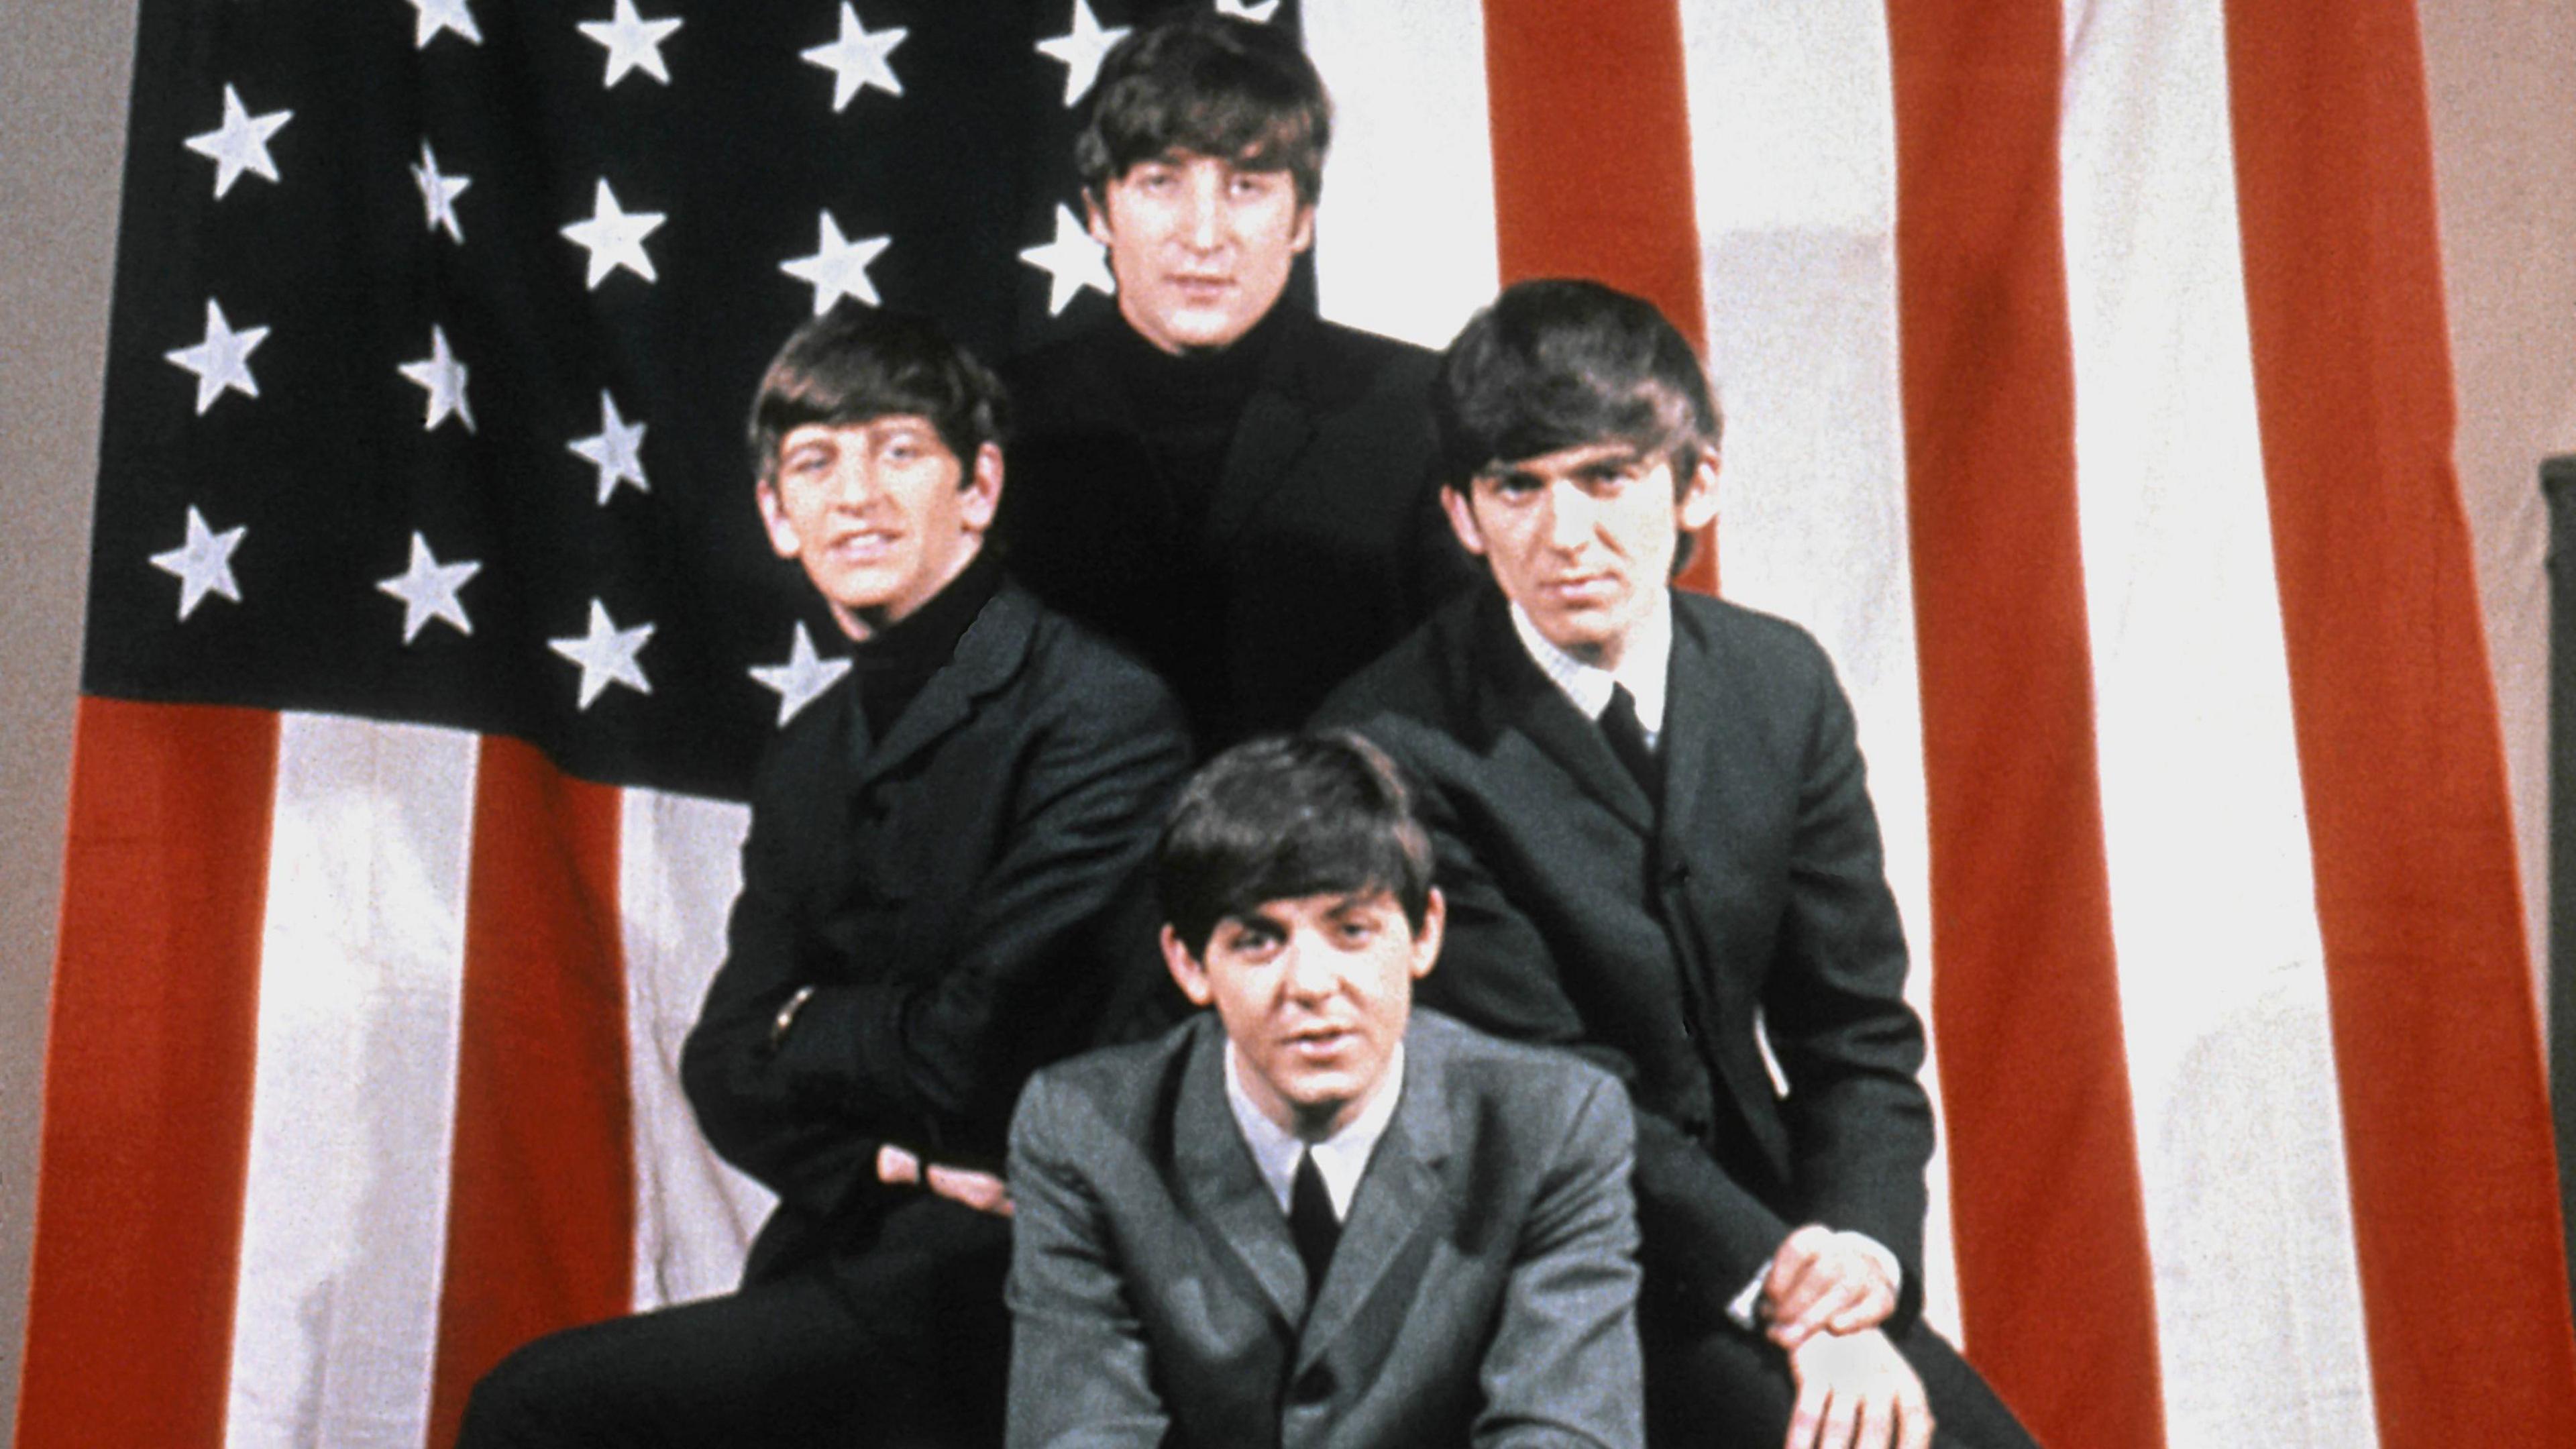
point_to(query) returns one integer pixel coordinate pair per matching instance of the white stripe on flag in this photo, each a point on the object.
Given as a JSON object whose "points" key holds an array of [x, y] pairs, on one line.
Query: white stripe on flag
{"points": [[1405, 234], [362, 960], [679, 865], [1793, 155], [2212, 887]]}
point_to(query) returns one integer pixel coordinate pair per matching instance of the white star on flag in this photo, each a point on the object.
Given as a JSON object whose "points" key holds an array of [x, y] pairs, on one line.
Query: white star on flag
{"points": [[240, 144], [438, 194], [857, 59], [1072, 262], [428, 590], [222, 361], [444, 377], [204, 564], [1256, 11], [438, 15], [1081, 49], [839, 266], [617, 450], [614, 238], [802, 679], [606, 655], [634, 43]]}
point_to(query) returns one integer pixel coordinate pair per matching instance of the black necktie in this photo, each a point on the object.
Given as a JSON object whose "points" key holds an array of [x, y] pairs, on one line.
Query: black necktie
{"points": [[1311, 1221], [1627, 737]]}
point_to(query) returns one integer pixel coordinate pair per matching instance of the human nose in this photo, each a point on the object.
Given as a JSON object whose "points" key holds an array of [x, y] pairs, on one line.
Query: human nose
{"points": [[853, 482], [1203, 214], [1569, 519], [1312, 971]]}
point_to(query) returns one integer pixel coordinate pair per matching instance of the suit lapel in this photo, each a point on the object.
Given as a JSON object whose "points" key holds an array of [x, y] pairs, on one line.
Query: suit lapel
{"points": [[1277, 423], [1223, 1187], [988, 654], [1520, 698], [1399, 1201]]}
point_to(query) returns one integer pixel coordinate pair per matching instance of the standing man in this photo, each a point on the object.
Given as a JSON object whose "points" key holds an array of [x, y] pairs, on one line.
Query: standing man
{"points": [[933, 845], [1659, 850], [1315, 1218], [1235, 487]]}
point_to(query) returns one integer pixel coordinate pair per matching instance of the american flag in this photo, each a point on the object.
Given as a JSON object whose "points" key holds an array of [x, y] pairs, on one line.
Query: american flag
{"points": [[2087, 396]]}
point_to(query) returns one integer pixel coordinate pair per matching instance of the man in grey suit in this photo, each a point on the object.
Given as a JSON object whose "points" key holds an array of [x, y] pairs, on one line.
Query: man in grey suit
{"points": [[1316, 1217], [1658, 849]]}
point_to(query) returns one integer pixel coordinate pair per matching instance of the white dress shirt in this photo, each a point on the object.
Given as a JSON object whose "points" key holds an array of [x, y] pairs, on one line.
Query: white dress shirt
{"points": [[1340, 1158], [1645, 665]]}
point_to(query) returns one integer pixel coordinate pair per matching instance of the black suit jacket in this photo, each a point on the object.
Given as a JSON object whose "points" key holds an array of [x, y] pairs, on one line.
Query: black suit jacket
{"points": [[944, 890], [1321, 547], [1484, 1289], [1655, 935]]}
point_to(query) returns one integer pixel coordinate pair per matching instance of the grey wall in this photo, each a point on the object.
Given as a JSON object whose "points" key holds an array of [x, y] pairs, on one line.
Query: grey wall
{"points": [[64, 72]]}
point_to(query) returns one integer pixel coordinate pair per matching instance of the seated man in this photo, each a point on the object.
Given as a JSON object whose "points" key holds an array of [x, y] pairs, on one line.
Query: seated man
{"points": [[1658, 848], [1214, 474], [932, 848], [1300, 1220]]}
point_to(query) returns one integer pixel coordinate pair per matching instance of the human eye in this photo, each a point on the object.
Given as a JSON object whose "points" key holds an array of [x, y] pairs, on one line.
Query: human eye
{"points": [[1252, 185], [1510, 487], [806, 460]]}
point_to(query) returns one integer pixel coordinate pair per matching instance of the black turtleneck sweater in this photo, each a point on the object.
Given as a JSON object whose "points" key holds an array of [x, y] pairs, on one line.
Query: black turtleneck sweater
{"points": [[890, 666], [1186, 406]]}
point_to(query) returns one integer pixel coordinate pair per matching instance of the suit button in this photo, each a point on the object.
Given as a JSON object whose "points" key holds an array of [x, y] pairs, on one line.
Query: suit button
{"points": [[1676, 872], [1313, 1386]]}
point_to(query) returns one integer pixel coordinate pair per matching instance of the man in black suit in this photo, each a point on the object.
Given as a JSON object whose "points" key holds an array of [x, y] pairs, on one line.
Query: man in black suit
{"points": [[1220, 478], [1658, 849], [935, 847], [1314, 1216]]}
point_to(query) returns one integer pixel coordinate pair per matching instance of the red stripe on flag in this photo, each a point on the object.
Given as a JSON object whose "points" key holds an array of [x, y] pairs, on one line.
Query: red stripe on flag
{"points": [[2055, 1286], [148, 1077], [1585, 187], [2446, 1121], [541, 1213]]}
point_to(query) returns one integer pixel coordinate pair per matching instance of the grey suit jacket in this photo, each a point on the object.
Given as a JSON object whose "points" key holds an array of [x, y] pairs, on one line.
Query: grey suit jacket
{"points": [[1484, 1290]]}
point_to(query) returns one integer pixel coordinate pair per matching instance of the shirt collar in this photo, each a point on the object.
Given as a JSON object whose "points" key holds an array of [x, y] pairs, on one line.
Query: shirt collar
{"points": [[1340, 1158], [1645, 666]]}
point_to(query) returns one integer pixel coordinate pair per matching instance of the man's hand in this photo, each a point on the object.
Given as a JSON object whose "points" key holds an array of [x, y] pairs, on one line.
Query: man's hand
{"points": [[1856, 1392], [981, 1191], [1822, 1281]]}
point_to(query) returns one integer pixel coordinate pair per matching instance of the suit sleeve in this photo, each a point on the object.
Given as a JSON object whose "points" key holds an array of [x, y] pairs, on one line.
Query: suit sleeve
{"points": [[1860, 1126], [1564, 1368], [1707, 1233], [813, 1158], [1080, 1365], [908, 1061], [923, 1054]]}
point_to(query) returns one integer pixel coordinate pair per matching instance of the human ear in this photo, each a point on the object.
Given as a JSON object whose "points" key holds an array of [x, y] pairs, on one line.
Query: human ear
{"points": [[1462, 520], [1187, 972], [1095, 218], [1697, 503], [774, 520], [1426, 938], [983, 488], [1305, 236]]}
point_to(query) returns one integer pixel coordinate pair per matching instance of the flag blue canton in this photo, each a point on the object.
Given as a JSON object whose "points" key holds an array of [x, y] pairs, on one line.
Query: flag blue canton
{"points": [[436, 322]]}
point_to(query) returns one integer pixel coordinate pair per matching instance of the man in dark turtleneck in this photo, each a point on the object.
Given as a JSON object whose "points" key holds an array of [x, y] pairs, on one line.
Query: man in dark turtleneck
{"points": [[1234, 487], [938, 849]]}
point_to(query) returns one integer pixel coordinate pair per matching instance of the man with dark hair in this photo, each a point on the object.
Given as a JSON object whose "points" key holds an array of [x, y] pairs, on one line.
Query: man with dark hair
{"points": [[934, 848], [1316, 1216], [1659, 850], [1229, 483]]}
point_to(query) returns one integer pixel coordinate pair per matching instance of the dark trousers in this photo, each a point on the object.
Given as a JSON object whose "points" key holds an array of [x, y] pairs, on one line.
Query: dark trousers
{"points": [[903, 1344], [1727, 1389]]}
